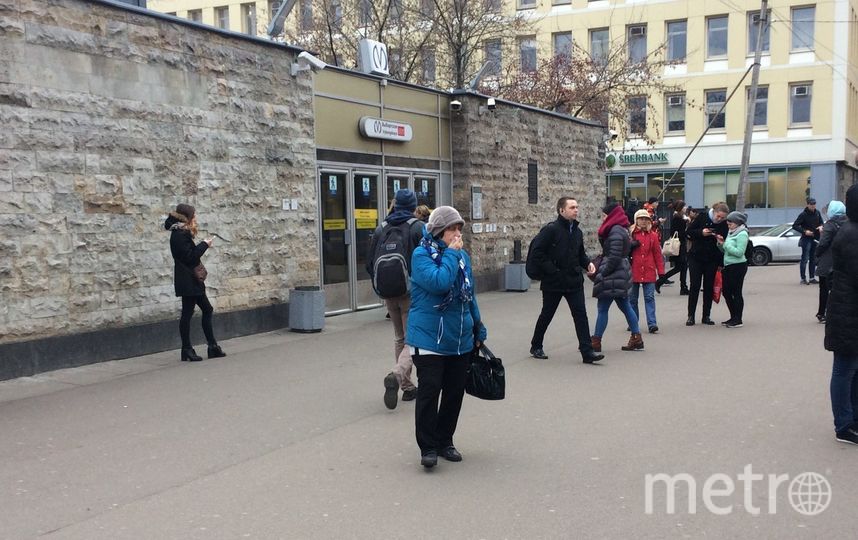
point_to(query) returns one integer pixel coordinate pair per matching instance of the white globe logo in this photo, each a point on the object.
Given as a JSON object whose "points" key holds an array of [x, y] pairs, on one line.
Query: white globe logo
{"points": [[809, 493]]}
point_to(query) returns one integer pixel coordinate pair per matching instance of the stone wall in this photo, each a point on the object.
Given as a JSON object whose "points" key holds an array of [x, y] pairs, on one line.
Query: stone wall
{"points": [[492, 149], [110, 117]]}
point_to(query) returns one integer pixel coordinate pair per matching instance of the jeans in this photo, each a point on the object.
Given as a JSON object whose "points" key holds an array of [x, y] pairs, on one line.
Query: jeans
{"points": [[649, 302], [844, 391], [701, 271], [188, 305], [734, 278], [604, 304], [398, 310], [440, 377], [575, 299], [808, 252]]}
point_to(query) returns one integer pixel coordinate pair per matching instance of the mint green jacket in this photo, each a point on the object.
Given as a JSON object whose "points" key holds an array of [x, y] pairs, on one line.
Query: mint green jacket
{"points": [[734, 248]]}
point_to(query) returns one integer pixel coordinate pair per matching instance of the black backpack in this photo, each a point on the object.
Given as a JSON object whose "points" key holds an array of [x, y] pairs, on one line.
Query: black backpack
{"points": [[749, 250], [532, 269], [392, 260]]}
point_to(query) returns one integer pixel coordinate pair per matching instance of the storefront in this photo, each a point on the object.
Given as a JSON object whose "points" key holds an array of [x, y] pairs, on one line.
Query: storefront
{"points": [[373, 137]]}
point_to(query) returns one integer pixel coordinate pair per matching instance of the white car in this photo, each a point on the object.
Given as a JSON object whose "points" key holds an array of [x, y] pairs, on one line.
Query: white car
{"points": [[780, 243]]}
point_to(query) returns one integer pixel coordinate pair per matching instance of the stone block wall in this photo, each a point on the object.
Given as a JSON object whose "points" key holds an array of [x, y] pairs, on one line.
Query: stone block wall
{"points": [[492, 150], [112, 116]]}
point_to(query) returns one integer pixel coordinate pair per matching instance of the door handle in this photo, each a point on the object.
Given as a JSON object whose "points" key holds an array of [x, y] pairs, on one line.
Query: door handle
{"points": [[348, 237]]}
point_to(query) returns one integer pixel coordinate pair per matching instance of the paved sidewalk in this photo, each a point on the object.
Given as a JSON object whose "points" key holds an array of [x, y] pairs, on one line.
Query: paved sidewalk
{"points": [[288, 437]]}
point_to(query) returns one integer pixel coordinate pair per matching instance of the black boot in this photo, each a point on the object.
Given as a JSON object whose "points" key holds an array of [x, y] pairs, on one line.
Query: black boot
{"points": [[190, 355], [683, 290], [658, 283], [215, 351]]}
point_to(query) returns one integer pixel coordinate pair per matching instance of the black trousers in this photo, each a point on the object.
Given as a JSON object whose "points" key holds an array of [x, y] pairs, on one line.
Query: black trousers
{"points": [[734, 278], [701, 271], [680, 266], [550, 301], [824, 289], [188, 305], [440, 377]]}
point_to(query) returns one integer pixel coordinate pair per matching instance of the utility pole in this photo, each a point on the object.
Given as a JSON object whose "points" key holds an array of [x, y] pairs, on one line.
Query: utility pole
{"points": [[752, 105]]}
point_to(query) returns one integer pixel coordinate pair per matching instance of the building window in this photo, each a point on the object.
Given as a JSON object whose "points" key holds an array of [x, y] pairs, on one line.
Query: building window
{"points": [[427, 60], [788, 187], [248, 19], [306, 22], [532, 176], [494, 56], [677, 41], [761, 108], [675, 113], [493, 6], [802, 28], [222, 17], [754, 28], [636, 40], [799, 103], [335, 15], [637, 115], [714, 101], [526, 4], [599, 46], [716, 37], [527, 53], [562, 42], [756, 195], [365, 12], [195, 15]]}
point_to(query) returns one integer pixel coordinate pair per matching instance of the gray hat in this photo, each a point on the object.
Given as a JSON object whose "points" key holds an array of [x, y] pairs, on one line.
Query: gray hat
{"points": [[441, 218], [737, 217]]}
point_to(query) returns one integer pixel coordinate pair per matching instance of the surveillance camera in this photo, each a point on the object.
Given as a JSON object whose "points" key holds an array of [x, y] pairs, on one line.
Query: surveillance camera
{"points": [[490, 103], [456, 105], [613, 134], [309, 60]]}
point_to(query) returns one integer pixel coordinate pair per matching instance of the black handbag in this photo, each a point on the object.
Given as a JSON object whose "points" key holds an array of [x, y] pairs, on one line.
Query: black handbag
{"points": [[486, 378]]}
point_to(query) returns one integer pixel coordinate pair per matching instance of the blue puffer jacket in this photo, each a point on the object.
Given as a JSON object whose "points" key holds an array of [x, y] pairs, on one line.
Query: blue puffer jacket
{"points": [[448, 332]]}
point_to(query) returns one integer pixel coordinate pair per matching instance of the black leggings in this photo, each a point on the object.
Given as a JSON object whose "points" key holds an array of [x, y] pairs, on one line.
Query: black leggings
{"points": [[188, 305], [824, 289], [733, 276]]}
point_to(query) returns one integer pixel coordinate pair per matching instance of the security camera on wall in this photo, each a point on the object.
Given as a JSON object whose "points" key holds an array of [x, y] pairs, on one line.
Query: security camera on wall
{"points": [[491, 104], [456, 105], [307, 61], [613, 135]]}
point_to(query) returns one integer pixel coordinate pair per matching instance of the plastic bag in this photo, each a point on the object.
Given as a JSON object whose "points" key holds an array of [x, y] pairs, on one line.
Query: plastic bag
{"points": [[717, 286]]}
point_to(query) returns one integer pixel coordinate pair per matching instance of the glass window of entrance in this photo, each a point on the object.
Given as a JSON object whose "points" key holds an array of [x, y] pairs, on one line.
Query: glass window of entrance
{"points": [[754, 29], [677, 40], [716, 37], [802, 28], [714, 101], [755, 190]]}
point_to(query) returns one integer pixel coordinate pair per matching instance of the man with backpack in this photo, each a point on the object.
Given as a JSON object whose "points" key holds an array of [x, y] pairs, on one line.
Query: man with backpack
{"points": [[389, 266], [556, 256]]}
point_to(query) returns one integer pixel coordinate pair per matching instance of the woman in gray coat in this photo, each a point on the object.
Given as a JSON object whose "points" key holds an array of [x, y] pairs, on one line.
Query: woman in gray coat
{"points": [[614, 276]]}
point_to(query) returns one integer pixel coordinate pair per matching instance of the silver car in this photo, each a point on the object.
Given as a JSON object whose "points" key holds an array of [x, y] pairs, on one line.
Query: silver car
{"points": [[780, 243]]}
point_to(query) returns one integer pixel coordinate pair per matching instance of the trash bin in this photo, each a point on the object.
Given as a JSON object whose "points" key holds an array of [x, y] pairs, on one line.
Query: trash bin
{"points": [[515, 278], [306, 309]]}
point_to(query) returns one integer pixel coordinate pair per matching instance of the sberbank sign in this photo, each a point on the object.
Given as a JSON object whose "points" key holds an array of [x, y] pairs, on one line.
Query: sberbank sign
{"points": [[640, 158]]}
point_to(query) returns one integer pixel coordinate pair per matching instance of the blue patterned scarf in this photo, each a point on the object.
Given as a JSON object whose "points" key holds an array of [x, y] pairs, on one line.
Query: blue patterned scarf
{"points": [[461, 287]]}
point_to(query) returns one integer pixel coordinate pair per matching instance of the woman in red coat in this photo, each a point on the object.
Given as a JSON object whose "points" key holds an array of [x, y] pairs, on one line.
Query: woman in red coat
{"points": [[647, 266]]}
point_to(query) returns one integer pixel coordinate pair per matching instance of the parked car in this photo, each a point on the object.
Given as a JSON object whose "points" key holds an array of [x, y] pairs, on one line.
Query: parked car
{"points": [[778, 244]]}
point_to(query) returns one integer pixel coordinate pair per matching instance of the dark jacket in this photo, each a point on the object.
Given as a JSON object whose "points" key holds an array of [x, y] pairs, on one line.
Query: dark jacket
{"points": [[559, 252], [823, 250], [808, 221], [678, 225], [186, 255], [705, 248], [393, 219], [614, 276], [841, 319]]}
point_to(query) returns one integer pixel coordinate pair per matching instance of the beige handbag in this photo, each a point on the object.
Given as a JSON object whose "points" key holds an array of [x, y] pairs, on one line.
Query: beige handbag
{"points": [[671, 246]]}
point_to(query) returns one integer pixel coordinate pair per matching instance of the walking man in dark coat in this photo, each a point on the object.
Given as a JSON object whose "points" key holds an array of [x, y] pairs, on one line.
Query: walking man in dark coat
{"points": [[559, 252]]}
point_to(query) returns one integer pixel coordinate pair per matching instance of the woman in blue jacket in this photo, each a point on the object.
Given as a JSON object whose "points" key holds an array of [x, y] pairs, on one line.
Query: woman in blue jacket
{"points": [[443, 329]]}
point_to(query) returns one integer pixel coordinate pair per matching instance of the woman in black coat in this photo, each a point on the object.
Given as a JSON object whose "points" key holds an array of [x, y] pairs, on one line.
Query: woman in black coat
{"points": [[841, 324], [182, 224], [678, 225]]}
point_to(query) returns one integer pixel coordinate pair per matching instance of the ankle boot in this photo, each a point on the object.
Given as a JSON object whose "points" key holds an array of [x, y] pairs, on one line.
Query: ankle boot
{"points": [[596, 342], [215, 351], [190, 355], [658, 283], [683, 290], [635, 343]]}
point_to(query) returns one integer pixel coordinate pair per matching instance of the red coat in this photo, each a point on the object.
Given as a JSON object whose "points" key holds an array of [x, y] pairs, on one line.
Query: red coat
{"points": [[647, 260]]}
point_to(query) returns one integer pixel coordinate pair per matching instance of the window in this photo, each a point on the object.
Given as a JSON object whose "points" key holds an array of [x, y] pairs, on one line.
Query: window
{"points": [[222, 17], [788, 187], [195, 15], [675, 113], [526, 4], [306, 15], [754, 28], [799, 103], [599, 45], [637, 115], [495, 56], [427, 60], [562, 42], [755, 190], [335, 15], [716, 37], [365, 12], [527, 52], [248, 19], [532, 177], [802, 27], [761, 108], [636, 40], [677, 41], [714, 101], [493, 6]]}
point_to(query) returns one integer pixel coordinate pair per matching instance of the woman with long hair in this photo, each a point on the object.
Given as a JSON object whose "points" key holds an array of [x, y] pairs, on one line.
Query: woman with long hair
{"points": [[678, 226]]}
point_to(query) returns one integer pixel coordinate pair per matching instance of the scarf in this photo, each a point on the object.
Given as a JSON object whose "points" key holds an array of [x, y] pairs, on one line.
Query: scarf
{"points": [[737, 230], [616, 217], [461, 288]]}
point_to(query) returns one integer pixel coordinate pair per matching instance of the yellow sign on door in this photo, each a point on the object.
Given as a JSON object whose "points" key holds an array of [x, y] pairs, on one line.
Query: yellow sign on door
{"points": [[366, 223], [334, 225], [366, 213]]}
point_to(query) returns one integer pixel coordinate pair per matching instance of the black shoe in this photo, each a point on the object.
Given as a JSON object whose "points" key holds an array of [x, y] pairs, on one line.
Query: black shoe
{"points": [[215, 351], [727, 322], [409, 395], [190, 355], [653, 329], [848, 435], [735, 324], [658, 285], [821, 319], [802, 282], [429, 459], [391, 390], [592, 357], [690, 321], [707, 320], [813, 280], [683, 291], [451, 454], [537, 352]]}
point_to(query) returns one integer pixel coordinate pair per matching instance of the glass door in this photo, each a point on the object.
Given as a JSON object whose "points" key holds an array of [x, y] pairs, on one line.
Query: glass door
{"points": [[394, 183], [336, 239], [365, 221], [426, 188]]}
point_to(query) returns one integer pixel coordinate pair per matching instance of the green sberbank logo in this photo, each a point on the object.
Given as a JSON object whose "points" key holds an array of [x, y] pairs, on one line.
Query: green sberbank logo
{"points": [[644, 158], [610, 161]]}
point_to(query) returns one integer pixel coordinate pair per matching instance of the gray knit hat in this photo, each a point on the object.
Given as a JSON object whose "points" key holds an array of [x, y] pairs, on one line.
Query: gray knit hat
{"points": [[737, 217], [441, 218]]}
